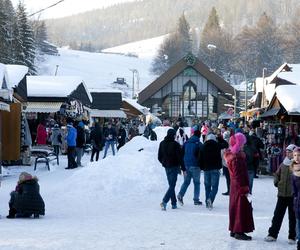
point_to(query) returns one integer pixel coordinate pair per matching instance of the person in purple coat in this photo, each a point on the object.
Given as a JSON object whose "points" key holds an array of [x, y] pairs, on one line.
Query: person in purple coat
{"points": [[295, 166]]}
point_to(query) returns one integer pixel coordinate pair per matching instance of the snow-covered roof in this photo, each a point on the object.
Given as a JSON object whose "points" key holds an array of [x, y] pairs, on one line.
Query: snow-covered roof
{"points": [[105, 90], [54, 86], [288, 95], [139, 107], [13, 74], [292, 76]]}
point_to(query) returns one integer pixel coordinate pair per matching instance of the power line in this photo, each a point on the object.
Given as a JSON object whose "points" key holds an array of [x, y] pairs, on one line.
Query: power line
{"points": [[46, 8]]}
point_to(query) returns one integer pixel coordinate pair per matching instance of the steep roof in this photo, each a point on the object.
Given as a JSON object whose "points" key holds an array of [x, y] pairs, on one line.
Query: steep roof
{"points": [[172, 72]]}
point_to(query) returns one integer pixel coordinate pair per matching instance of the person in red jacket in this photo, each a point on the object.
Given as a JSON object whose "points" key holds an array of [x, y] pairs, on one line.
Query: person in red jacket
{"points": [[41, 136], [240, 208]]}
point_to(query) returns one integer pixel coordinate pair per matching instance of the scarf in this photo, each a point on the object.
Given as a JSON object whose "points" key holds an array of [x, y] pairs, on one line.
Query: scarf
{"points": [[296, 169]]}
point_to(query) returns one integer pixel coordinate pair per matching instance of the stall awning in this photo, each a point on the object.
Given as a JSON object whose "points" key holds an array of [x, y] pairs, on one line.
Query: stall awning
{"points": [[108, 113], [43, 107], [270, 112], [4, 106]]}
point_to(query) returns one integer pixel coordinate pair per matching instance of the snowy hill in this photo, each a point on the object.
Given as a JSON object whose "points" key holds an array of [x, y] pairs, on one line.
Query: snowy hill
{"points": [[143, 49], [100, 70]]}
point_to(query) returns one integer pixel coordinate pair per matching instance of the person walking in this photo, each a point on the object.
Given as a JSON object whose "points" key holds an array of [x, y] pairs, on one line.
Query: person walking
{"points": [[258, 145], [56, 138], [192, 148], [171, 157], [181, 137], [295, 167], [80, 143], [110, 138], [226, 137], [96, 141], [250, 152], [211, 165], [121, 137], [283, 182], [71, 142], [240, 209]]}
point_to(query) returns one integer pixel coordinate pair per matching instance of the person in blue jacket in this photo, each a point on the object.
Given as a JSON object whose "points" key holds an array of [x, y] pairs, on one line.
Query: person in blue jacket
{"points": [[192, 149], [71, 142]]}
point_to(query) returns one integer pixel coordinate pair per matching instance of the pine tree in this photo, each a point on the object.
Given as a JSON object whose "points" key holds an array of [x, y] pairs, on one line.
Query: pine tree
{"points": [[4, 34], [218, 56], [27, 38], [174, 47]]}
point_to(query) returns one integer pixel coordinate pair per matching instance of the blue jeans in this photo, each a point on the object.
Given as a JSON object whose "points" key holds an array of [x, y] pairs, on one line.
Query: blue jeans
{"points": [[251, 174], [298, 229], [107, 144], [171, 173], [211, 183], [191, 173]]}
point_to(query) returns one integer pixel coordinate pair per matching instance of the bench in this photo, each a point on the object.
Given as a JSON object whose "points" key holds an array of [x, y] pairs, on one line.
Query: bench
{"points": [[44, 155]]}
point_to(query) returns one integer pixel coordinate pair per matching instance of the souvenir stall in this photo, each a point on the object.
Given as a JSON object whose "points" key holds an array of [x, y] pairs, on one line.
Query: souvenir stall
{"points": [[281, 120]]}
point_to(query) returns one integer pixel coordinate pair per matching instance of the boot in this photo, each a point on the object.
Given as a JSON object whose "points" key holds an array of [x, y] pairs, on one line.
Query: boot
{"points": [[298, 245], [242, 236], [11, 214]]}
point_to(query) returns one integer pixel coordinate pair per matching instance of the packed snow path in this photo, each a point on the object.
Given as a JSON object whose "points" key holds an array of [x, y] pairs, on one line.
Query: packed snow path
{"points": [[114, 204]]}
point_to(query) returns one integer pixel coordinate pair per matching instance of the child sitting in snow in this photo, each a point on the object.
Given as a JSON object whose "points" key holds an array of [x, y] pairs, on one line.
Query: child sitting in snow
{"points": [[296, 190], [26, 200]]}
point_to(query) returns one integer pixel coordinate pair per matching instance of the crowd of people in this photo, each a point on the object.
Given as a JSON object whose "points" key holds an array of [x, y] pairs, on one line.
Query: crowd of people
{"points": [[236, 150]]}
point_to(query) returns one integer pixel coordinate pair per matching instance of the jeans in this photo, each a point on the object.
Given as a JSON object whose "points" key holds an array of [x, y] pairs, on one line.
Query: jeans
{"points": [[107, 144], [191, 173], [298, 229], [251, 178], [95, 151], [211, 183], [171, 173], [79, 154], [283, 203], [56, 149]]}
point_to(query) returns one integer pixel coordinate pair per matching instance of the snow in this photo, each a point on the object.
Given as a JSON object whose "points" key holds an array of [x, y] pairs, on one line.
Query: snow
{"points": [[53, 86], [288, 95], [13, 74], [98, 70], [143, 49], [291, 76], [114, 204], [139, 107]]}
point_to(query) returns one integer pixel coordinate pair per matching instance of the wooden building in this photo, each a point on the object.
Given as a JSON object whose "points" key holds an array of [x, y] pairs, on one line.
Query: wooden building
{"points": [[13, 97], [188, 89]]}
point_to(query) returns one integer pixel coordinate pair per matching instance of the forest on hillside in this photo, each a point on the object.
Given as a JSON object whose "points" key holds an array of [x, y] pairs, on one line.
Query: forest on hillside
{"points": [[133, 21]]}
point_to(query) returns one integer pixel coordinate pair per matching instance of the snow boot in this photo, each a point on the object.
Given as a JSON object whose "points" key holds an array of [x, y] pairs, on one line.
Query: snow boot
{"points": [[270, 238], [163, 206], [298, 245], [174, 206], [242, 236], [197, 203], [11, 214], [180, 200]]}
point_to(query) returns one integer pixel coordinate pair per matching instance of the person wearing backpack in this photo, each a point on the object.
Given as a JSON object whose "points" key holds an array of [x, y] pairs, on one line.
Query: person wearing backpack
{"points": [[56, 138], [181, 137]]}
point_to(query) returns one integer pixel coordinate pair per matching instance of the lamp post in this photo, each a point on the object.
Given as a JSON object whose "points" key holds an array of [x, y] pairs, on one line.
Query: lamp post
{"points": [[134, 71], [211, 47]]}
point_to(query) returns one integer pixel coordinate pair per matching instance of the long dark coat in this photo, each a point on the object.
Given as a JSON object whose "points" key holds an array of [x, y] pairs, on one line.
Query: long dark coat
{"points": [[27, 199], [240, 209]]}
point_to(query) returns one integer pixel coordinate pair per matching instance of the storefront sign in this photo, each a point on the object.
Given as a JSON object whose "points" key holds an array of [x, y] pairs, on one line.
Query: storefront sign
{"points": [[4, 106]]}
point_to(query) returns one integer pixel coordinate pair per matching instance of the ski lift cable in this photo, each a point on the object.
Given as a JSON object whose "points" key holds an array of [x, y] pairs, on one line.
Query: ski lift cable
{"points": [[41, 10]]}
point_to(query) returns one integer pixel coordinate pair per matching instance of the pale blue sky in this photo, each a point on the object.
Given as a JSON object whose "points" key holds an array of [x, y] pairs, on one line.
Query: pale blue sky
{"points": [[68, 7]]}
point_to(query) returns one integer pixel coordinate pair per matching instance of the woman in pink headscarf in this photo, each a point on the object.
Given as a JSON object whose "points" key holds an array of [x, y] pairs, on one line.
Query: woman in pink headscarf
{"points": [[240, 209]]}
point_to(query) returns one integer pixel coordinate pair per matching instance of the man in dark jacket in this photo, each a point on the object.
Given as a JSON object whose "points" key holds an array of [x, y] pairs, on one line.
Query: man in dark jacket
{"points": [[192, 148], [96, 141], [80, 142], [110, 139], [211, 164], [258, 145], [121, 137], [170, 156]]}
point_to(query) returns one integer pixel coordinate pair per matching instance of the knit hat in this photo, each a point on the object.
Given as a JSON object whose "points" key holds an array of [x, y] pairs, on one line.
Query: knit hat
{"points": [[291, 147], [211, 137], [24, 176], [171, 133], [296, 149], [236, 142]]}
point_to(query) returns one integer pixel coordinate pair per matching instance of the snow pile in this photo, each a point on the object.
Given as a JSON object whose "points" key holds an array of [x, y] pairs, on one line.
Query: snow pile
{"points": [[118, 176], [288, 95]]}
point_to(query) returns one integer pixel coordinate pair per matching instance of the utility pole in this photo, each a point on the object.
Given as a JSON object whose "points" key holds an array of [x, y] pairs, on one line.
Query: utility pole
{"points": [[56, 70], [133, 72]]}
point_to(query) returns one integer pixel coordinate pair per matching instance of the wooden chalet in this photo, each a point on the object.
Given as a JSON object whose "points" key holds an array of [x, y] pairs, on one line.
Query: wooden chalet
{"points": [[188, 89]]}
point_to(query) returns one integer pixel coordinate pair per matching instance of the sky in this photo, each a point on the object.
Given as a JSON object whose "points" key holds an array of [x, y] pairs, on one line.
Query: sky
{"points": [[66, 8]]}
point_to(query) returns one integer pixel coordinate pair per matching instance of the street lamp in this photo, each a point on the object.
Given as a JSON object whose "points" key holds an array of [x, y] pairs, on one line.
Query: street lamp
{"points": [[134, 71], [211, 47]]}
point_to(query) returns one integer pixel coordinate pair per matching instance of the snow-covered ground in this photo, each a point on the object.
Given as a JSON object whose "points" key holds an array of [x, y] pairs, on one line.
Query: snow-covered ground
{"points": [[114, 204]]}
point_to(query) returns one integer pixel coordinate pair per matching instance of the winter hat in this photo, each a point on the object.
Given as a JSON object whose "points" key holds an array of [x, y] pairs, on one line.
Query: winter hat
{"points": [[296, 149], [211, 137], [24, 176], [291, 147], [171, 133], [81, 124], [236, 142], [197, 133]]}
